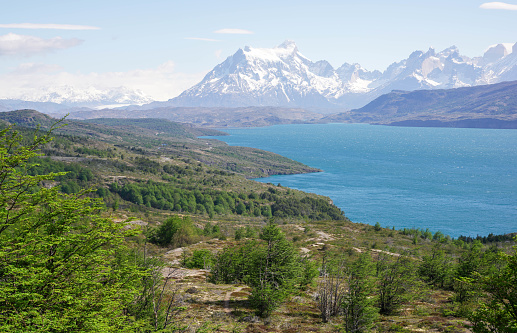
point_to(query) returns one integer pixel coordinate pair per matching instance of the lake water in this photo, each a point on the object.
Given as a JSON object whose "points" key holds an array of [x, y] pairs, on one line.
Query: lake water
{"points": [[459, 181]]}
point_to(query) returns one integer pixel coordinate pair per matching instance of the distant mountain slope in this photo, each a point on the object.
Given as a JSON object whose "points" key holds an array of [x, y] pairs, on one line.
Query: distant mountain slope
{"points": [[159, 126], [492, 106], [212, 117]]}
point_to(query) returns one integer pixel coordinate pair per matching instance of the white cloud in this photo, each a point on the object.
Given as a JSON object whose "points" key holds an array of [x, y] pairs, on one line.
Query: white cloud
{"points": [[30, 80], [48, 26], [234, 31], [13, 44], [203, 39], [218, 53], [498, 5]]}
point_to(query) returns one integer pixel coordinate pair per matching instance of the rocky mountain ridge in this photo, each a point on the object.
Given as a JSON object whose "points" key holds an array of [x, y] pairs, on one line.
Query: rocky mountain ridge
{"points": [[284, 77]]}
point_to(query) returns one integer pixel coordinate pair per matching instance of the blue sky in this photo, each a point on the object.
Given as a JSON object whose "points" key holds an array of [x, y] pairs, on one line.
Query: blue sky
{"points": [[164, 47]]}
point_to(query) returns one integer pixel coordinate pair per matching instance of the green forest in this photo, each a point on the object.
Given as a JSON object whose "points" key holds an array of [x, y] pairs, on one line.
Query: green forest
{"points": [[130, 231]]}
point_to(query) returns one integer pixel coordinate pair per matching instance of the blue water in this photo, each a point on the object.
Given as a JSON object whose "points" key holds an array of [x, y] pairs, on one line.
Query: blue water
{"points": [[458, 181]]}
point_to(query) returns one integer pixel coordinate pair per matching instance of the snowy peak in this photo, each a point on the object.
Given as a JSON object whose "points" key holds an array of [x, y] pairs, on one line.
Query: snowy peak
{"points": [[289, 46], [278, 76], [495, 53], [284, 52]]}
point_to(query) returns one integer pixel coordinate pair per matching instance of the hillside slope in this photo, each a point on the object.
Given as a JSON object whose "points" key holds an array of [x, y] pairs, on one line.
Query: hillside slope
{"points": [[162, 137], [488, 106]]}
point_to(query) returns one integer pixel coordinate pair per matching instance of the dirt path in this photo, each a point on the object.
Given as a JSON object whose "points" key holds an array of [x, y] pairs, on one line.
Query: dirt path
{"points": [[227, 308]]}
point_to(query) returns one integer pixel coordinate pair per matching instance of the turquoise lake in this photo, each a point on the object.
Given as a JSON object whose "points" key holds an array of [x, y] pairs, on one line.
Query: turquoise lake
{"points": [[458, 181]]}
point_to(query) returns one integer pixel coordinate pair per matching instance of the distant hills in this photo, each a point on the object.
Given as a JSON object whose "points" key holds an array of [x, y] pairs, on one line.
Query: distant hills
{"points": [[488, 106], [218, 117]]}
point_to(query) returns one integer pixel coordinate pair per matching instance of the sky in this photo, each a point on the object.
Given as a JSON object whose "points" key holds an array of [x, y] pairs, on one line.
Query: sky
{"points": [[164, 47]]}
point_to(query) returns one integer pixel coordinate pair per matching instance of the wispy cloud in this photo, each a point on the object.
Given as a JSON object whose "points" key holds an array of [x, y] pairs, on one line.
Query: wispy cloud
{"points": [[48, 26], [498, 5], [203, 39], [234, 31], [13, 44]]}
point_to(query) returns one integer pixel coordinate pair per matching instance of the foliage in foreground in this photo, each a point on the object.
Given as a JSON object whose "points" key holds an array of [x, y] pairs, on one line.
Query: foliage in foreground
{"points": [[499, 312], [62, 266]]}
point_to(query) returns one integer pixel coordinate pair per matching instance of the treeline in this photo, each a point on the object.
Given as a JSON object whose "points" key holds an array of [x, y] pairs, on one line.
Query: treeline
{"points": [[209, 201], [314, 209], [440, 237], [491, 238], [199, 201]]}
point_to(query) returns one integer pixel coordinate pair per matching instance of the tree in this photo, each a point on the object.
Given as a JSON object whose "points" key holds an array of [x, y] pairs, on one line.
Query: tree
{"points": [[232, 264], [471, 262], [202, 259], [274, 270], [332, 289], [58, 268], [358, 310], [396, 281], [175, 231], [436, 268], [239, 233], [498, 312]]}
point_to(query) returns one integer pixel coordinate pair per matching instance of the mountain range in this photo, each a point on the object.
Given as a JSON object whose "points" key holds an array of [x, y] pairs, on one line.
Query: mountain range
{"points": [[283, 77], [261, 86], [63, 99]]}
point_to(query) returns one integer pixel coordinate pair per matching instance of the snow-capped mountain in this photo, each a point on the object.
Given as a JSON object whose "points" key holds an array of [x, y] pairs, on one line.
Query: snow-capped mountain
{"points": [[90, 97], [282, 76]]}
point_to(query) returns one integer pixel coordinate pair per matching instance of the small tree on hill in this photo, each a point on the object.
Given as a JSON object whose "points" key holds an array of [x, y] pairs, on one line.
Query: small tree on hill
{"points": [[274, 270], [396, 281], [332, 289], [358, 305], [436, 268]]}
